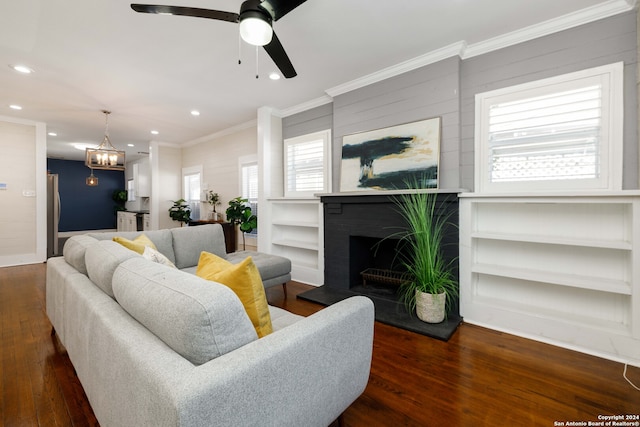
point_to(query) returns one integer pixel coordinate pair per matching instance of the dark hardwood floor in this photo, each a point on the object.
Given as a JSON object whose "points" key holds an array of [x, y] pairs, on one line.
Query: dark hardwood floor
{"points": [[479, 378]]}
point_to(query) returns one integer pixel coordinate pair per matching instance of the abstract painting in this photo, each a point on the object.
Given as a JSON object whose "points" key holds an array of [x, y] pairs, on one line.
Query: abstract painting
{"points": [[386, 159]]}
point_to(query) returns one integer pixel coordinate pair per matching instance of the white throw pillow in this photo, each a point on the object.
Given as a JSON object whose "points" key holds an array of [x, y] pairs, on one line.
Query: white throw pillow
{"points": [[155, 256]]}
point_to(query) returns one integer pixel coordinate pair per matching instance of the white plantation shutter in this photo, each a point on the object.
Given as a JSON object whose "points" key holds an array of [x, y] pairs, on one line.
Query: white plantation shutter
{"points": [[561, 133], [306, 164], [555, 136]]}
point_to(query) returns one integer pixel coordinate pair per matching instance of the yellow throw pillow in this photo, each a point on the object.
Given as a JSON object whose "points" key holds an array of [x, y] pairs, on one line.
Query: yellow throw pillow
{"points": [[244, 279], [137, 245]]}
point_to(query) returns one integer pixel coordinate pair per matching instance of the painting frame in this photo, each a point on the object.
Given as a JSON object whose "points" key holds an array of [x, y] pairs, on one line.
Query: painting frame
{"points": [[390, 158]]}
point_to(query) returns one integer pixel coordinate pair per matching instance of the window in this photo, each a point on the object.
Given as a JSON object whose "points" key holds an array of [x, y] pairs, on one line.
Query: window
{"points": [[192, 189], [562, 133], [306, 161], [249, 182]]}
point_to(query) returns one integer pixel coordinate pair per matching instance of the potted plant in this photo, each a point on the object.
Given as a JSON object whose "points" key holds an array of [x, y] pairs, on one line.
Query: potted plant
{"points": [[120, 197], [214, 200], [432, 283], [239, 213], [180, 211]]}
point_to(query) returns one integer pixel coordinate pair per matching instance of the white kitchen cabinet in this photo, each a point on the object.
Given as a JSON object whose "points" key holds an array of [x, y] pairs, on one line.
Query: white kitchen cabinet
{"points": [[560, 269], [126, 221], [146, 222]]}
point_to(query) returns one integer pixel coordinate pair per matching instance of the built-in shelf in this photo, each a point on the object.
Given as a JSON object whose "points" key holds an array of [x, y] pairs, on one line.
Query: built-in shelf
{"points": [[622, 245], [296, 244], [560, 316], [571, 280], [563, 270], [296, 224], [296, 232]]}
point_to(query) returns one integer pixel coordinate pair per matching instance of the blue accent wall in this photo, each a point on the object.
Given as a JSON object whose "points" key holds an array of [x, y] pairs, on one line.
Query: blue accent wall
{"points": [[84, 207]]}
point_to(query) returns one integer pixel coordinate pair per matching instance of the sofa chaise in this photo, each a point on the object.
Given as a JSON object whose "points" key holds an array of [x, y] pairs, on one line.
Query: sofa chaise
{"points": [[154, 345]]}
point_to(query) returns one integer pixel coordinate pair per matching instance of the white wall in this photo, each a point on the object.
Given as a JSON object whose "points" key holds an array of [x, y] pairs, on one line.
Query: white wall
{"points": [[23, 212], [166, 179], [219, 159]]}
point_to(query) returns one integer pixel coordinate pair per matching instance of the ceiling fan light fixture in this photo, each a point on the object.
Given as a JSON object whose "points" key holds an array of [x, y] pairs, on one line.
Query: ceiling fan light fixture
{"points": [[255, 29]]}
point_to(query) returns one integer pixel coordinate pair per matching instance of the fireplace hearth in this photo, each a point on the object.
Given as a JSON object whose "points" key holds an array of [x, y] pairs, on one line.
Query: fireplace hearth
{"points": [[358, 237]]}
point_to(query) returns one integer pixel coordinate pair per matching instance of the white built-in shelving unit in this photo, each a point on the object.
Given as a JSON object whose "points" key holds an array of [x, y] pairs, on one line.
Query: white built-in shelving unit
{"points": [[296, 232], [563, 269]]}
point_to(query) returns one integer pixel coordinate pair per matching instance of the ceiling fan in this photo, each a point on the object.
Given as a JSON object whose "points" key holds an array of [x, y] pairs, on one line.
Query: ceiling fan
{"points": [[255, 20]]}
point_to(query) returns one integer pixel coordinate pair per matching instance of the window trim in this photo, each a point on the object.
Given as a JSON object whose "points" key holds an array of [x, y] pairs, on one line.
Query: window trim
{"points": [[612, 78], [325, 135]]}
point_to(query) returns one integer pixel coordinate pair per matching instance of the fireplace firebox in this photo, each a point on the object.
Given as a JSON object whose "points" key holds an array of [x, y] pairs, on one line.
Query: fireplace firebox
{"points": [[359, 237]]}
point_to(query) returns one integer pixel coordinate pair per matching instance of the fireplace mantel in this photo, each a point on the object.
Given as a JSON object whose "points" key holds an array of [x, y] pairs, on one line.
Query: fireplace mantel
{"points": [[391, 192]]}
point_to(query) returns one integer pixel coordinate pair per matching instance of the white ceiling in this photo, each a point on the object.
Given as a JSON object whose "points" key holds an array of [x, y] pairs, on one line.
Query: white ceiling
{"points": [[152, 70]]}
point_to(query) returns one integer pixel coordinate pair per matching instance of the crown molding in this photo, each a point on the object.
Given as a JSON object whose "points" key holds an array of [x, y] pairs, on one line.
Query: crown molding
{"points": [[325, 99], [401, 68], [461, 49], [571, 20], [228, 131]]}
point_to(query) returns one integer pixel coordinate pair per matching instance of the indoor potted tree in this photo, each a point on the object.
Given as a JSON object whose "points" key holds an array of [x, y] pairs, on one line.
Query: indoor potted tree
{"points": [[180, 211], [214, 200], [432, 283], [239, 213]]}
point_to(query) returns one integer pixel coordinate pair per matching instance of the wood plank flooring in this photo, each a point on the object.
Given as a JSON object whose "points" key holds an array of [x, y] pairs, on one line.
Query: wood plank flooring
{"points": [[479, 378]]}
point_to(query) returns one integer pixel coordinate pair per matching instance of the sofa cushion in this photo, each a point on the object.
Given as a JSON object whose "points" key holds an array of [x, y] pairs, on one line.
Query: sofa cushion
{"points": [[162, 239], [74, 250], [137, 245], [198, 319], [189, 242], [269, 265], [244, 280], [102, 259]]}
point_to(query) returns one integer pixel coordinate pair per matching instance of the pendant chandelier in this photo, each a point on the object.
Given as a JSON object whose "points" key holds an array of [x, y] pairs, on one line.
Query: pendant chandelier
{"points": [[92, 180], [105, 156]]}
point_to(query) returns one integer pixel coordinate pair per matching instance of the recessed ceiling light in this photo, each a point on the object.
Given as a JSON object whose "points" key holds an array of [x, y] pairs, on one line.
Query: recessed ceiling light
{"points": [[154, 132], [274, 76], [15, 107], [52, 134], [195, 112], [130, 145], [22, 69]]}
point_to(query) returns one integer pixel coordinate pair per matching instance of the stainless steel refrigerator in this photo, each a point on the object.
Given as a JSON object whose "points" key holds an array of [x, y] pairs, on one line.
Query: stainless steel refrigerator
{"points": [[53, 215]]}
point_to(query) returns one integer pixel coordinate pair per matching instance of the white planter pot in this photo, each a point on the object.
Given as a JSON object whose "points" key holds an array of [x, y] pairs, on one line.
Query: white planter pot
{"points": [[430, 308]]}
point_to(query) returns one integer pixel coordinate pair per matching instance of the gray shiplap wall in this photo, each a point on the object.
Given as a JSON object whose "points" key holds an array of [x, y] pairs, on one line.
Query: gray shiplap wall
{"points": [[314, 120], [448, 88], [431, 91]]}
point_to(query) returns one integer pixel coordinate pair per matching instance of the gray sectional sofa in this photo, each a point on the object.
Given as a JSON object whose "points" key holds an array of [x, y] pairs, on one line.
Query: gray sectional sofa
{"points": [[157, 346]]}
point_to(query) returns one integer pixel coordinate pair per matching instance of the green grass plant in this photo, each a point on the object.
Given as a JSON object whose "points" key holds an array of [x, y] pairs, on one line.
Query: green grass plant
{"points": [[420, 247]]}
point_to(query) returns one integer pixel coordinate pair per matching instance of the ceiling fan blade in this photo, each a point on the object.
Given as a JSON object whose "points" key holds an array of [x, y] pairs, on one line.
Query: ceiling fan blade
{"points": [[186, 11], [279, 56], [279, 8]]}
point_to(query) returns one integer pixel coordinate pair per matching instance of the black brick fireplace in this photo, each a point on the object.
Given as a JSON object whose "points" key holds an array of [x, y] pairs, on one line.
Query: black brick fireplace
{"points": [[358, 235]]}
